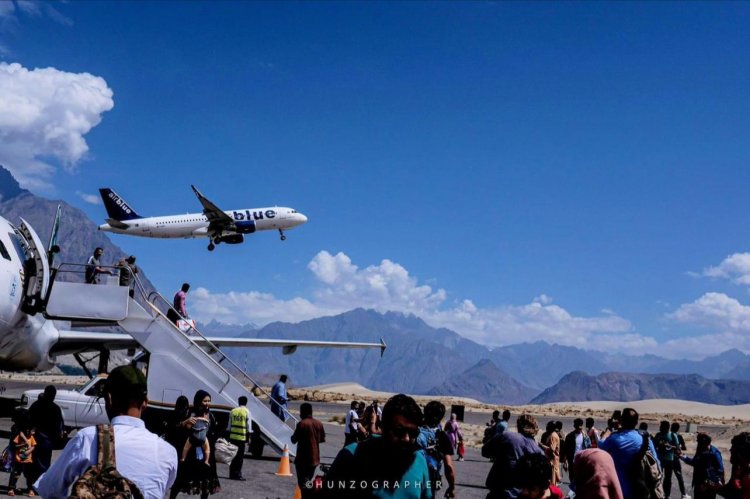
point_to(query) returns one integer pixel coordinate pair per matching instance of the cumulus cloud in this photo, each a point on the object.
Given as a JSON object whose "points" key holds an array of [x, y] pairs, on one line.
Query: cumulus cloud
{"points": [[735, 268], [44, 115], [89, 198], [716, 311], [388, 286], [727, 319]]}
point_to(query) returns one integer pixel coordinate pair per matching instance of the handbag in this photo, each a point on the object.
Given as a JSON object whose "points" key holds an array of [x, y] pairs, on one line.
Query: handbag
{"points": [[6, 460], [224, 451]]}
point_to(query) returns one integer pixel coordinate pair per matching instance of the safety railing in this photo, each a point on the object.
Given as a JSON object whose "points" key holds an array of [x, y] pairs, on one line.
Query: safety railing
{"points": [[214, 352]]}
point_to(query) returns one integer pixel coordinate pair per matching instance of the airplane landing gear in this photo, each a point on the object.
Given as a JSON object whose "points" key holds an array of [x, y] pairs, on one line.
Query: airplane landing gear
{"points": [[211, 246], [283, 237]]}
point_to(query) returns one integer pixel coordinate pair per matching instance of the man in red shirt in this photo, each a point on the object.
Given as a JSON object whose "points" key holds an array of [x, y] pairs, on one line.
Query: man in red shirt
{"points": [[308, 436]]}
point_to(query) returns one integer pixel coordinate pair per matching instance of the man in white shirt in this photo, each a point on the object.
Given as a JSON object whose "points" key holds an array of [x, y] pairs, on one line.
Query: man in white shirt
{"points": [[142, 457], [351, 423]]}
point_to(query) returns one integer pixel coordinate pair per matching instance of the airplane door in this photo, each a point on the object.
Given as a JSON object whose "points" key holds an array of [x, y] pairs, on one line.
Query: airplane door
{"points": [[10, 282], [40, 285]]}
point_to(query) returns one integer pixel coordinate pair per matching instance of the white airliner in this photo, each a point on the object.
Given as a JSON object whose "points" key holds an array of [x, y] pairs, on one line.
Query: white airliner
{"points": [[30, 341], [219, 226]]}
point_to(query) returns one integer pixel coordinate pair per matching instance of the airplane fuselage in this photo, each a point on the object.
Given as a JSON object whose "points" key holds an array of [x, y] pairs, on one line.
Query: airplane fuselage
{"points": [[25, 340], [194, 225]]}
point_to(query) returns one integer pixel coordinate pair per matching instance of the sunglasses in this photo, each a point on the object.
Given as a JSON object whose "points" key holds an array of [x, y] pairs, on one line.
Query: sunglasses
{"points": [[401, 432]]}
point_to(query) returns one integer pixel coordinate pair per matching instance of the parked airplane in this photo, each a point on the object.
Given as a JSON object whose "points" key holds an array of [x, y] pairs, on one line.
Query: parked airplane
{"points": [[219, 226], [29, 340]]}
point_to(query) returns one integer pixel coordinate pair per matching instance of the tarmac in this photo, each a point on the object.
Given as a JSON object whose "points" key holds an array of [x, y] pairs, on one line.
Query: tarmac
{"points": [[262, 481]]}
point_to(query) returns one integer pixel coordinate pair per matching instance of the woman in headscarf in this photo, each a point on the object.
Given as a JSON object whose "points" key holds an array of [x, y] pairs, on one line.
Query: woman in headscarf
{"points": [[595, 475], [193, 475], [454, 432]]}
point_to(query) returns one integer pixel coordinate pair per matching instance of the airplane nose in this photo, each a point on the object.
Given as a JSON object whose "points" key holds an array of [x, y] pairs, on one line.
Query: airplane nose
{"points": [[302, 218]]}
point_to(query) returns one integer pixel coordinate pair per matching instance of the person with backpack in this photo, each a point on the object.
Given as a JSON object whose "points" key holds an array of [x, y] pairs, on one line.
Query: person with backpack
{"points": [[389, 466], [708, 468], [667, 449], [146, 465], [630, 450], [505, 450], [437, 447]]}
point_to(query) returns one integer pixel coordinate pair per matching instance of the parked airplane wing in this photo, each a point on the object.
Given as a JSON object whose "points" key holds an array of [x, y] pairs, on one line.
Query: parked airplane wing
{"points": [[290, 346], [217, 219], [79, 341]]}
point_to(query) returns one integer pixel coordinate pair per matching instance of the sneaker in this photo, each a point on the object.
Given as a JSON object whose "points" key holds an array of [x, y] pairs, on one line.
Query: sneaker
{"points": [[685, 496]]}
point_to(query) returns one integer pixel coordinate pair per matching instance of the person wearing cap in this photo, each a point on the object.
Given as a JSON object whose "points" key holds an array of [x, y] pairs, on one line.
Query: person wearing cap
{"points": [[128, 269], [142, 457]]}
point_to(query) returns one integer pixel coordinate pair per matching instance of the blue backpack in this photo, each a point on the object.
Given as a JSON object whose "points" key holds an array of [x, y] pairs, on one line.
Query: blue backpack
{"points": [[427, 442]]}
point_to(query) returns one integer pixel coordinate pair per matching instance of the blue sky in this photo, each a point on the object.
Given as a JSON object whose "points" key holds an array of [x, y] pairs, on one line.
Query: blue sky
{"points": [[574, 172]]}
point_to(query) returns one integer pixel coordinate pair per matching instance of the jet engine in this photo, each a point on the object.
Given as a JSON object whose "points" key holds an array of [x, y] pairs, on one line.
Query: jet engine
{"points": [[231, 239], [245, 226]]}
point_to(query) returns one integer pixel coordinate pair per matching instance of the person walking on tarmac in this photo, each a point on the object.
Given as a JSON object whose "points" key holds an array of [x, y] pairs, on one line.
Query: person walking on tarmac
{"points": [[239, 430], [308, 435], [46, 417]]}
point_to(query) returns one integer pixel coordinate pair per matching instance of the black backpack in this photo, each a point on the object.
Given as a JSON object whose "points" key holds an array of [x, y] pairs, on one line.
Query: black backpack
{"points": [[646, 475]]}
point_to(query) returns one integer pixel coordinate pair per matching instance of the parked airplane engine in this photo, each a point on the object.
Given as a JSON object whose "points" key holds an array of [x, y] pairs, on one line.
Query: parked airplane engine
{"points": [[27, 343], [231, 239]]}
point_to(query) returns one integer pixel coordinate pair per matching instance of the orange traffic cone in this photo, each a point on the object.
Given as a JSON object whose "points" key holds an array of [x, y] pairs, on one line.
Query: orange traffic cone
{"points": [[284, 469], [297, 493]]}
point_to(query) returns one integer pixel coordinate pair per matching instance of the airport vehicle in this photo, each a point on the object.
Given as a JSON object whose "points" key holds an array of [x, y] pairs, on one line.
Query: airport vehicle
{"points": [[80, 407], [218, 226], [33, 298]]}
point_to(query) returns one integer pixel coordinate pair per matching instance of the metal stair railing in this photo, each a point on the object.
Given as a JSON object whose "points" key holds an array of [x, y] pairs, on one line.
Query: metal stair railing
{"points": [[222, 360]]}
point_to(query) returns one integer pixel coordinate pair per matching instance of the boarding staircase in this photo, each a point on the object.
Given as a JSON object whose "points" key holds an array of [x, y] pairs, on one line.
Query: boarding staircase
{"points": [[180, 362]]}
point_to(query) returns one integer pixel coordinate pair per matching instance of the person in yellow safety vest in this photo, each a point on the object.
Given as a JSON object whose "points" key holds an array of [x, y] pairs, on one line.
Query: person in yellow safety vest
{"points": [[239, 431]]}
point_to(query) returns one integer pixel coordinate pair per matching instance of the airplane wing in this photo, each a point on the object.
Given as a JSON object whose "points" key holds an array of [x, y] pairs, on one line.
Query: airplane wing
{"points": [[79, 341], [217, 219]]}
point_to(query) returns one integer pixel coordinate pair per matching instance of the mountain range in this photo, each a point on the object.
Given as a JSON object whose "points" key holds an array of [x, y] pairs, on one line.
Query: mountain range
{"points": [[421, 359]]}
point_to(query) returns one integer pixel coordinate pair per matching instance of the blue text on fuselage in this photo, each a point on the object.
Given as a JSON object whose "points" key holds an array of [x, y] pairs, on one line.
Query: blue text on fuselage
{"points": [[255, 215]]}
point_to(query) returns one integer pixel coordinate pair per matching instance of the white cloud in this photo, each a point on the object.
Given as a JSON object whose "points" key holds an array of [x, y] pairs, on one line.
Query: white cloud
{"points": [[388, 286], [735, 267], [89, 198], [716, 311], [45, 113], [726, 318]]}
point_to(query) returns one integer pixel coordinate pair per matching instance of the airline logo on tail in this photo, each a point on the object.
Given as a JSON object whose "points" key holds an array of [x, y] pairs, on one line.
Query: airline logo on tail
{"points": [[117, 208]]}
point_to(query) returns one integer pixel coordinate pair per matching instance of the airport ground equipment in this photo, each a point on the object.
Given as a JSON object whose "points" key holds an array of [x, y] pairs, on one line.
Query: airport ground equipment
{"points": [[178, 363]]}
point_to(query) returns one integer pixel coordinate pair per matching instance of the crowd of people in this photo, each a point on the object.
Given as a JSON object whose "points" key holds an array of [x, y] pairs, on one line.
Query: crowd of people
{"points": [[621, 462], [178, 458], [400, 451]]}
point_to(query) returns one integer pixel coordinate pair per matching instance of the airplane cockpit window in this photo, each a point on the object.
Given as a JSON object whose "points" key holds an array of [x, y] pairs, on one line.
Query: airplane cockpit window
{"points": [[4, 251]]}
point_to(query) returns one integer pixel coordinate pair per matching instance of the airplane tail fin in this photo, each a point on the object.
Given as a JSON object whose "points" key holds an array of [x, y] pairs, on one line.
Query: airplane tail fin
{"points": [[117, 208]]}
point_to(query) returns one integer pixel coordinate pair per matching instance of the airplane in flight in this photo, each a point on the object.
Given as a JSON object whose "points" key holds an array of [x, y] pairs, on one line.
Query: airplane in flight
{"points": [[219, 226], [30, 339]]}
